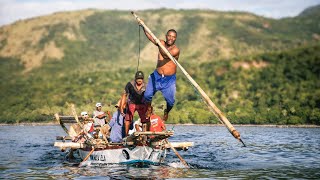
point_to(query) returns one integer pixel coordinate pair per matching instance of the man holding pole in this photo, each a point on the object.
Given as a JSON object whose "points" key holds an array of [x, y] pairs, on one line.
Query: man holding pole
{"points": [[164, 77]]}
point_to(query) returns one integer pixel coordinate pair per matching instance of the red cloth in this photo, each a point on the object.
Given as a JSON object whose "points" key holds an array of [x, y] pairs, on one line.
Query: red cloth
{"points": [[140, 108], [157, 124], [91, 128]]}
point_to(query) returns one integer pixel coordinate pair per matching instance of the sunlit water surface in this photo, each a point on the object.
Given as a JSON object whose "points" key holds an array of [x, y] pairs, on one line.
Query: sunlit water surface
{"points": [[27, 152]]}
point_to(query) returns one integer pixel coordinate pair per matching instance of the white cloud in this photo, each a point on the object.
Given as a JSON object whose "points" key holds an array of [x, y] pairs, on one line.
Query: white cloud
{"points": [[12, 10]]}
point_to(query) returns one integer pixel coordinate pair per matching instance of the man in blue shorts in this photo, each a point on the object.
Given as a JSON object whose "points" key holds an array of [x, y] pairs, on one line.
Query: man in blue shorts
{"points": [[164, 77]]}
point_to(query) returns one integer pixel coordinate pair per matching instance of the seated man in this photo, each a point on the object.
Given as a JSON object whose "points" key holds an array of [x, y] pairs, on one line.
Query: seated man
{"points": [[137, 126], [88, 129], [99, 116], [116, 124], [156, 123]]}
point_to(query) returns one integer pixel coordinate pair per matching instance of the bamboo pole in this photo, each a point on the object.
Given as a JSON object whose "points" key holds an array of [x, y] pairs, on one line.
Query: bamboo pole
{"points": [[214, 109], [178, 155], [74, 113], [61, 123], [87, 156]]}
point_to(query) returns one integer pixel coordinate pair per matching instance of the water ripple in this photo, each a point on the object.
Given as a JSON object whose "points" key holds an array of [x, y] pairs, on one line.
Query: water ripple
{"points": [[271, 153]]}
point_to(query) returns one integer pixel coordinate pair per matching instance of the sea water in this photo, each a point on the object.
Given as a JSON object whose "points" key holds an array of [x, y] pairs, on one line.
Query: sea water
{"points": [[27, 152]]}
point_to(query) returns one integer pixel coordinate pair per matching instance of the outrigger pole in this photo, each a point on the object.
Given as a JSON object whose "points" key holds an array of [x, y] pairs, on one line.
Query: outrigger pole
{"points": [[214, 109]]}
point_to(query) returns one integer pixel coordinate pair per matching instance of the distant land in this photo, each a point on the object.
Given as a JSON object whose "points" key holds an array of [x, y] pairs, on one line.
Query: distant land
{"points": [[257, 70]]}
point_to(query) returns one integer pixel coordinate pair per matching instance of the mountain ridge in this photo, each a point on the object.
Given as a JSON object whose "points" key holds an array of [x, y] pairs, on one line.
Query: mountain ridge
{"points": [[89, 55]]}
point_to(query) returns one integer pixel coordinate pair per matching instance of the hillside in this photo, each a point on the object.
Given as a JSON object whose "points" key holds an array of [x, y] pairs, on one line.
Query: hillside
{"points": [[87, 56]]}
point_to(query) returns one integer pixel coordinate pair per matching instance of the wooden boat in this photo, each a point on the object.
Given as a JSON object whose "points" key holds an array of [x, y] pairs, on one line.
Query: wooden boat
{"points": [[139, 148]]}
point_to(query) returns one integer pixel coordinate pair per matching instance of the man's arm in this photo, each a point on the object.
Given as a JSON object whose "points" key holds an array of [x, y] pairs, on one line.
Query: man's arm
{"points": [[122, 104], [123, 101], [137, 127], [149, 37], [175, 52]]}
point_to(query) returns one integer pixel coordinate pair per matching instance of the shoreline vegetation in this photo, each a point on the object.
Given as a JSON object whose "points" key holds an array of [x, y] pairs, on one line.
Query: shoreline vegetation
{"points": [[187, 124], [257, 70]]}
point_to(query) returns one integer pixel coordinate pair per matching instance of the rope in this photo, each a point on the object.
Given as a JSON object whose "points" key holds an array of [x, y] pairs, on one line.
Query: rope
{"points": [[139, 49]]}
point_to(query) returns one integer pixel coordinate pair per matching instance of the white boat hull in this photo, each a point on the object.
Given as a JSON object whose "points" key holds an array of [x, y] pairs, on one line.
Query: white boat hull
{"points": [[124, 155]]}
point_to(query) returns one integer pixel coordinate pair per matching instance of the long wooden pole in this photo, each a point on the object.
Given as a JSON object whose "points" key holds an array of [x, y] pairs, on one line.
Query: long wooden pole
{"points": [[87, 156], [178, 155], [214, 109]]}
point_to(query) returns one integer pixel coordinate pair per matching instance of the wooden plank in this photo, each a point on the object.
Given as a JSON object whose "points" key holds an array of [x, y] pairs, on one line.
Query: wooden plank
{"points": [[61, 123], [164, 133], [73, 145], [180, 145]]}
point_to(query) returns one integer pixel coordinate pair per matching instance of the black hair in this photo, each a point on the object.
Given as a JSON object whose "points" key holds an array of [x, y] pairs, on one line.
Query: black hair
{"points": [[172, 30]]}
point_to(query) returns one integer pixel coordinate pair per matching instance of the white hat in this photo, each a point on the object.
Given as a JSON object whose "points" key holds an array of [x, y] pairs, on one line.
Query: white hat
{"points": [[98, 104], [84, 113]]}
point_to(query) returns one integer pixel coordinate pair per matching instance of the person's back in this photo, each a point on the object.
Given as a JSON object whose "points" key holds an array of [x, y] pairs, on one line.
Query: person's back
{"points": [[116, 124], [156, 123]]}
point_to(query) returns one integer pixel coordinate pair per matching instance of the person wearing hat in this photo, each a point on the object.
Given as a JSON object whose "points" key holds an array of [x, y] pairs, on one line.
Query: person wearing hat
{"points": [[133, 95], [99, 116], [88, 128], [116, 124], [163, 77]]}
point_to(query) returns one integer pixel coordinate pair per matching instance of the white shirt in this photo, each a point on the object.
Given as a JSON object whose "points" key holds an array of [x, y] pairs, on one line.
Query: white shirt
{"points": [[138, 122], [98, 121]]}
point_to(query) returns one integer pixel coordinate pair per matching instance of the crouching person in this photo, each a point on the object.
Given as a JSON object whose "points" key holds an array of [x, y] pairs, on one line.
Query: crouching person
{"points": [[116, 124]]}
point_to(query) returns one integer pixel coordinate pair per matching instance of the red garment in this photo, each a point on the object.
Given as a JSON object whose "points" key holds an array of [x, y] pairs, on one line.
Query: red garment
{"points": [[91, 128], [157, 124], [140, 108]]}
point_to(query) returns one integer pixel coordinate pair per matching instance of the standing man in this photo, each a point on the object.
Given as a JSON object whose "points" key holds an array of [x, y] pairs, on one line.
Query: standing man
{"points": [[164, 77], [134, 91]]}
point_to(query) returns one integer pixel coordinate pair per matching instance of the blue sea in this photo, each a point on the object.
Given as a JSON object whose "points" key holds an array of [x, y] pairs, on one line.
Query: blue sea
{"points": [[27, 152]]}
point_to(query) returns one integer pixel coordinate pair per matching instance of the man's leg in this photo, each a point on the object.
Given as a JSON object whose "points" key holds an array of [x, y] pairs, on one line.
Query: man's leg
{"points": [[169, 96], [149, 93], [129, 118], [142, 110]]}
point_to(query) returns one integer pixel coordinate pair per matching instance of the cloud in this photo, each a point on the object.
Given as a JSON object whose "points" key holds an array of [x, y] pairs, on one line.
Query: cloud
{"points": [[13, 10]]}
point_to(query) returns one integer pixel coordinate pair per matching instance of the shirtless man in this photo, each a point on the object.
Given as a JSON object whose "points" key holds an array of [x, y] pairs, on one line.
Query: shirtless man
{"points": [[164, 77]]}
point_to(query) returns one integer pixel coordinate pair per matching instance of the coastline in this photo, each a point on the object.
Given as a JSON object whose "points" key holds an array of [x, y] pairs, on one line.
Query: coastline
{"points": [[187, 124]]}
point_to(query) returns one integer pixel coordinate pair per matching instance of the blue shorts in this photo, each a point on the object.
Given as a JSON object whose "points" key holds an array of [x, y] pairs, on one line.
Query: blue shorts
{"points": [[165, 84]]}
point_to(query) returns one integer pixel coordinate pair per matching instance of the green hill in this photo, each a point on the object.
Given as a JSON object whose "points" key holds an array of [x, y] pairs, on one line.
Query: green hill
{"points": [[87, 56]]}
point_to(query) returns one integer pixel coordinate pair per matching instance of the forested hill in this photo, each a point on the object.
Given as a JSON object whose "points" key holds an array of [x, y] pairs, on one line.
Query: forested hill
{"points": [[256, 69]]}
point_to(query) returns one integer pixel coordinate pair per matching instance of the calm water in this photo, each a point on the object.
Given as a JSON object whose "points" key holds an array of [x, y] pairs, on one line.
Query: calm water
{"points": [[27, 152]]}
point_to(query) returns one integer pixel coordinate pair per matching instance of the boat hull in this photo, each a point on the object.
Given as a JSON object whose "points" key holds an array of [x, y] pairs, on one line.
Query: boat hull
{"points": [[124, 155]]}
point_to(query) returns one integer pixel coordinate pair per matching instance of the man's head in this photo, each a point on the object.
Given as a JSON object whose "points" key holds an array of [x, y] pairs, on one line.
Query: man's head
{"points": [[98, 106], [139, 77], [171, 37], [84, 115]]}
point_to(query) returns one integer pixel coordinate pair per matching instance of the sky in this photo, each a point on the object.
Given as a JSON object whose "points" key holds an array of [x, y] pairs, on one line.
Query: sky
{"points": [[13, 10]]}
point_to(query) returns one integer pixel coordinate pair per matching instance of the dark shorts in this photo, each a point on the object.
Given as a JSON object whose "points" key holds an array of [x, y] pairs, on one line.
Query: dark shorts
{"points": [[140, 108]]}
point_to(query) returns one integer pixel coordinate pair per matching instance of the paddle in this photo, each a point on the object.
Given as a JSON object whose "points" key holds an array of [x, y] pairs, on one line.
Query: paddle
{"points": [[214, 109], [87, 156], [178, 155], [73, 110]]}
